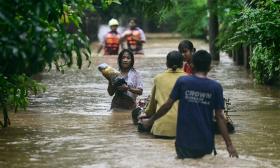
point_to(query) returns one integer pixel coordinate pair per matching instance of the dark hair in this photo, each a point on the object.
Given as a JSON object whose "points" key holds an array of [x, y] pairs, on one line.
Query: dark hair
{"points": [[201, 61], [120, 58], [174, 60], [185, 44], [133, 18]]}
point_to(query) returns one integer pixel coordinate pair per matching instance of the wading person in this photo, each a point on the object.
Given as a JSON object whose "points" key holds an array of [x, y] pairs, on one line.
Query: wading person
{"points": [[186, 48], [134, 37], [111, 41], [125, 93], [198, 97], [165, 127]]}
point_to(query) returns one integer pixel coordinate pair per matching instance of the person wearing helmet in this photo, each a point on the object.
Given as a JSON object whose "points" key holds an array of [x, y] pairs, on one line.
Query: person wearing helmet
{"points": [[135, 37], [111, 40]]}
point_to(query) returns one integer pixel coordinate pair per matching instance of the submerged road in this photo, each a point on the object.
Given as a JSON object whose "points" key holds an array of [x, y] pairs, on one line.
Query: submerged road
{"points": [[71, 125]]}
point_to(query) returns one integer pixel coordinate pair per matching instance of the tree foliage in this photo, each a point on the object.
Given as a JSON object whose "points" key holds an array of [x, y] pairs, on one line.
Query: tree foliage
{"points": [[189, 17], [134, 8], [228, 11], [148, 13], [265, 64], [33, 35], [256, 24], [39, 34]]}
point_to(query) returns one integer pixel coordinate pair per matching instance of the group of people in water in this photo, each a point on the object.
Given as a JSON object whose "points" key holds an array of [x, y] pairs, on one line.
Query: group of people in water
{"points": [[182, 103], [133, 36]]}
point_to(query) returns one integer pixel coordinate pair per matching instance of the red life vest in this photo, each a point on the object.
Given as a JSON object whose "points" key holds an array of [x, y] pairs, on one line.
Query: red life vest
{"points": [[134, 45], [112, 42]]}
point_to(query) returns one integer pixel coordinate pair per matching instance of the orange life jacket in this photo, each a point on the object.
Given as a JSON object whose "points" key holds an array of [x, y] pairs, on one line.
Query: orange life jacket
{"points": [[112, 42], [133, 44]]}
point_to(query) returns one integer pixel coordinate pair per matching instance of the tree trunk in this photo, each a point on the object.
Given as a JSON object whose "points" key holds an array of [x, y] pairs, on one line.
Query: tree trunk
{"points": [[246, 53], [213, 29], [5, 116]]}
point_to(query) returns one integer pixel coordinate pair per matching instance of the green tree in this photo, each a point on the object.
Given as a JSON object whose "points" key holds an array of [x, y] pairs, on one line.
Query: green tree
{"points": [[228, 11], [257, 24], [145, 10], [213, 28], [33, 35], [39, 34], [189, 17]]}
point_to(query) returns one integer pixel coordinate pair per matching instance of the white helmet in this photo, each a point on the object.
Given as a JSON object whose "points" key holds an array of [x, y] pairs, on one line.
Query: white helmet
{"points": [[113, 22]]}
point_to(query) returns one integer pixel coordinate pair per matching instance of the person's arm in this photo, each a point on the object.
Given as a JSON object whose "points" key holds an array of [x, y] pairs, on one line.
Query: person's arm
{"points": [[125, 88], [143, 36], [175, 94], [141, 40], [101, 44], [122, 43], [221, 121], [122, 40], [152, 105], [137, 88], [137, 91], [99, 48], [124, 36], [161, 112]]}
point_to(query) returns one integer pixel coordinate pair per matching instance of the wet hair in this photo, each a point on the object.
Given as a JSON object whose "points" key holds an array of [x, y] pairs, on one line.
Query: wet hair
{"points": [[186, 44], [120, 58], [201, 61], [174, 60]]}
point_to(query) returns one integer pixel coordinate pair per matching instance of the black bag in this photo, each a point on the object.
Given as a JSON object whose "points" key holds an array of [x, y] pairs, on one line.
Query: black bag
{"points": [[141, 128], [134, 115], [118, 81]]}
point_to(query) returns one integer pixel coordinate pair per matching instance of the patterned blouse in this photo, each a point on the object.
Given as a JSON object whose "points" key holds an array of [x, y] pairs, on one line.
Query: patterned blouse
{"points": [[133, 79]]}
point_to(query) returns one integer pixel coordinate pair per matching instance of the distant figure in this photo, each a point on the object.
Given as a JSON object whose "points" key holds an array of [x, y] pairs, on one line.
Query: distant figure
{"points": [[126, 92], [111, 41], [186, 49], [198, 98], [134, 37], [165, 127]]}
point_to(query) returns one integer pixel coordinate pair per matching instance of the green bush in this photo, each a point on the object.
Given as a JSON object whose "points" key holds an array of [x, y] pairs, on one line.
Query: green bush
{"points": [[35, 34], [257, 25], [188, 17], [265, 64], [14, 92]]}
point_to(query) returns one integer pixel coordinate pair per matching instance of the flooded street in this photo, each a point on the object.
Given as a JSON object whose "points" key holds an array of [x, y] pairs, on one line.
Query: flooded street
{"points": [[70, 125]]}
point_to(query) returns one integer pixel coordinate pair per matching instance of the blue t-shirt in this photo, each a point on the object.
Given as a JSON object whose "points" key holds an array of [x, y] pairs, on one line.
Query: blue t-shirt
{"points": [[198, 98]]}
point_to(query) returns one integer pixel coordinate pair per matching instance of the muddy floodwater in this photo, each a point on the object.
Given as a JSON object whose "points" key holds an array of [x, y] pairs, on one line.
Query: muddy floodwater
{"points": [[70, 125]]}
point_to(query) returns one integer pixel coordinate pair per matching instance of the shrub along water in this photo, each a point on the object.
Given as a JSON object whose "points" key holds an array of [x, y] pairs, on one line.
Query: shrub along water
{"points": [[257, 24]]}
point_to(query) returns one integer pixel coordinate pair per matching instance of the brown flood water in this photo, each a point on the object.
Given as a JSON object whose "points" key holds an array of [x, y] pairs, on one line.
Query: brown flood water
{"points": [[70, 125]]}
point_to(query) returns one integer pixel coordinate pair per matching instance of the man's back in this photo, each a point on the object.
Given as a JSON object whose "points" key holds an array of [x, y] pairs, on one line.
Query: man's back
{"points": [[198, 98]]}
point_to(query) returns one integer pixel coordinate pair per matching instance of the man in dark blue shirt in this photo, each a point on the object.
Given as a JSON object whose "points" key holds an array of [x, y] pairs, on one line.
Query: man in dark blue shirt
{"points": [[198, 98]]}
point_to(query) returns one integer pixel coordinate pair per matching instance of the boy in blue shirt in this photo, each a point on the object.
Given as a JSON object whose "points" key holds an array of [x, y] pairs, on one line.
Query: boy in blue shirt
{"points": [[198, 97]]}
